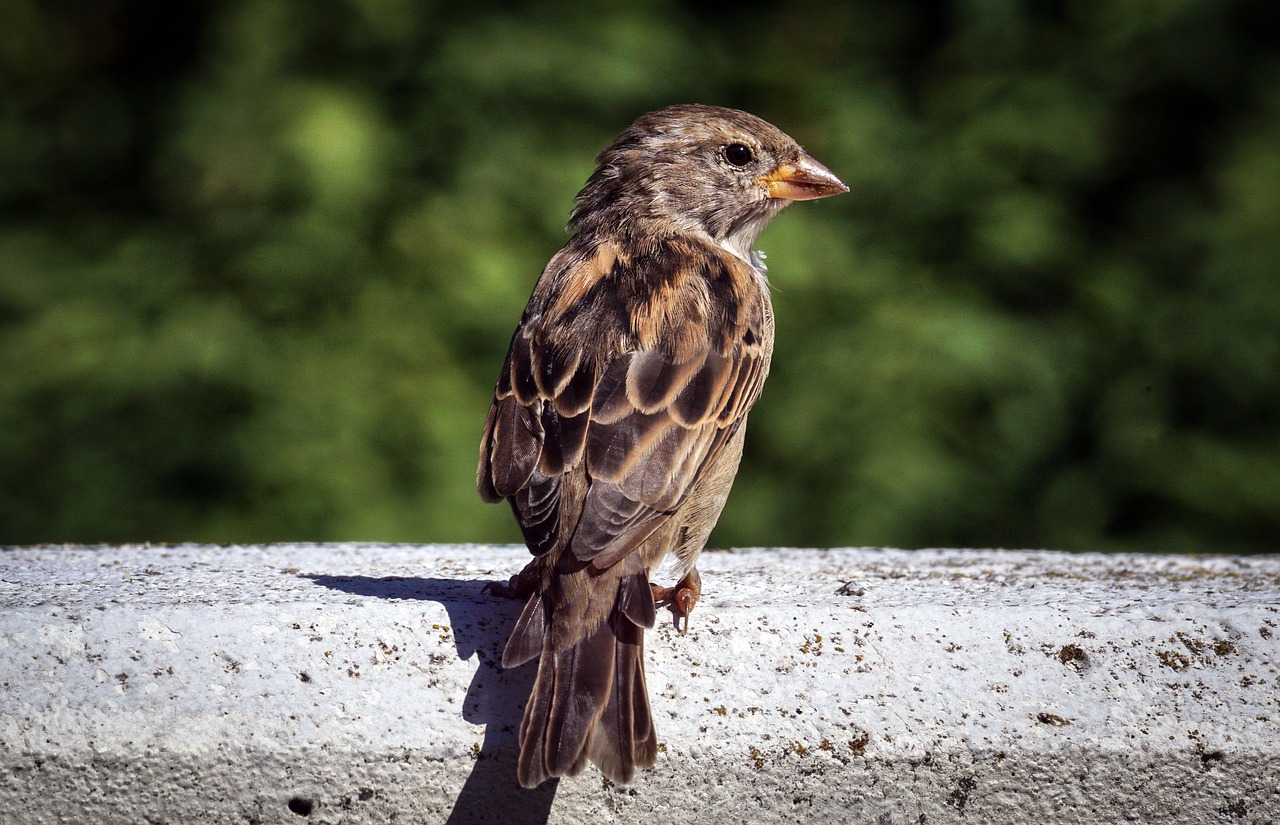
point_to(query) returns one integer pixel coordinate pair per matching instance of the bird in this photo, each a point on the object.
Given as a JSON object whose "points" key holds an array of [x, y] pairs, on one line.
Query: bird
{"points": [[617, 422]]}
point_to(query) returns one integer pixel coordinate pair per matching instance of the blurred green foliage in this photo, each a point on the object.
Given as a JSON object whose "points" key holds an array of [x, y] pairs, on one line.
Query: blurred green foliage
{"points": [[260, 261]]}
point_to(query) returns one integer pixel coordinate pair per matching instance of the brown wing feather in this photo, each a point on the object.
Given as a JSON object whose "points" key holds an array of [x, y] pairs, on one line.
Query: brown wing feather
{"points": [[637, 368]]}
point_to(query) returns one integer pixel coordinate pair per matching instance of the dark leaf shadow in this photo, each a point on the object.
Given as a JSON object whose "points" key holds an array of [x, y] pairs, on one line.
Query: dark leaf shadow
{"points": [[495, 698]]}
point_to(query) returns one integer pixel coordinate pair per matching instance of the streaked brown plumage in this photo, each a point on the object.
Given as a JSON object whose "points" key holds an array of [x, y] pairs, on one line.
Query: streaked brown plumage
{"points": [[617, 421]]}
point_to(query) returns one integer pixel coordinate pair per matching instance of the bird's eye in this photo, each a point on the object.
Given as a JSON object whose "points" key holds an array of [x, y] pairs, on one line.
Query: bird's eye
{"points": [[737, 154]]}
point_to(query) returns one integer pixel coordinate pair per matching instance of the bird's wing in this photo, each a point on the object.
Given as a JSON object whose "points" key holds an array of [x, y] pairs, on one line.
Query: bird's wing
{"points": [[641, 364]]}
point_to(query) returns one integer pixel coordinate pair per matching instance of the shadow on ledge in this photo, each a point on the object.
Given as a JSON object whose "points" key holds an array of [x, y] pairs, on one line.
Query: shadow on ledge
{"points": [[495, 698]]}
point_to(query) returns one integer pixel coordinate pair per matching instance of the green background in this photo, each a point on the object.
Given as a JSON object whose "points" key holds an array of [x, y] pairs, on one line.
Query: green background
{"points": [[260, 261]]}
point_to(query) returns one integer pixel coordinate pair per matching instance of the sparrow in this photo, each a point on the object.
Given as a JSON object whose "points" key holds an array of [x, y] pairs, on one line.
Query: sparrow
{"points": [[618, 418]]}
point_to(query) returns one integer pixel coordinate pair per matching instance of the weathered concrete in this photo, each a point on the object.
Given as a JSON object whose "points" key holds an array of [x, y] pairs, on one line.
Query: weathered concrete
{"points": [[359, 683]]}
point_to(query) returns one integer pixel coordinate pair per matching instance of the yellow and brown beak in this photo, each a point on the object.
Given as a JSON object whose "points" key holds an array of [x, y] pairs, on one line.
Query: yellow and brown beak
{"points": [[803, 179]]}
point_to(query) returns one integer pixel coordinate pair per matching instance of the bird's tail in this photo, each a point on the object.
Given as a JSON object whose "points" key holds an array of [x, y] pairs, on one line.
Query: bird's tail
{"points": [[589, 700]]}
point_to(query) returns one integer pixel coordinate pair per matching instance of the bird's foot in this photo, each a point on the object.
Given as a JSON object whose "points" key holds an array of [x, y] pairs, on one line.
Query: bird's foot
{"points": [[682, 597], [518, 586]]}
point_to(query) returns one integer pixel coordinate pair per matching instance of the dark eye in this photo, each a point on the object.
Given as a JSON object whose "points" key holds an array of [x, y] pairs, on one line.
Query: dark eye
{"points": [[737, 154]]}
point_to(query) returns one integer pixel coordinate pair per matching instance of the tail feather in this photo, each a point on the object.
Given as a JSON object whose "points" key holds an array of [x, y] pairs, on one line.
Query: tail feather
{"points": [[529, 636], [583, 677], [624, 738], [590, 701]]}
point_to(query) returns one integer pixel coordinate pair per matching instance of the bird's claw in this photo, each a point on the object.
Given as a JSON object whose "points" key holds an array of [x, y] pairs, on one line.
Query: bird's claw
{"points": [[681, 597], [503, 590], [518, 586]]}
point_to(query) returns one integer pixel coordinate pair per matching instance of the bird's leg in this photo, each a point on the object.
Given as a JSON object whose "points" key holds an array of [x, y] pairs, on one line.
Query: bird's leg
{"points": [[518, 586], [682, 597]]}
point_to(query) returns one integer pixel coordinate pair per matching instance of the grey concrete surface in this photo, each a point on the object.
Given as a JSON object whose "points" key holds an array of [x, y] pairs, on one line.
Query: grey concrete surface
{"points": [[360, 683]]}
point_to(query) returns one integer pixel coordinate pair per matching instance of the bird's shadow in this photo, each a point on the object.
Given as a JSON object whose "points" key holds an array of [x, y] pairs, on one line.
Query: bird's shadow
{"points": [[495, 698]]}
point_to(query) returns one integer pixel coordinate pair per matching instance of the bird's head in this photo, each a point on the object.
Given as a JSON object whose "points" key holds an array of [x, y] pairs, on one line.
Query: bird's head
{"points": [[700, 169]]}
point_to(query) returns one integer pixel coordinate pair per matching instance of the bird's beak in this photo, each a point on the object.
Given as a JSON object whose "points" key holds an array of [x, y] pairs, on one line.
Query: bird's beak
{"points": [[802, 180]]}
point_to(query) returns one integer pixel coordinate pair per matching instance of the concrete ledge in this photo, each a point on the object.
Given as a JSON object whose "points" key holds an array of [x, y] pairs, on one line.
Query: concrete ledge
{"points": [[359, 683]]}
